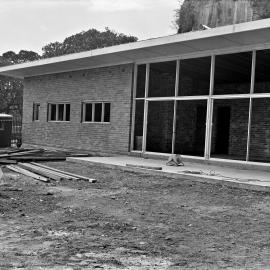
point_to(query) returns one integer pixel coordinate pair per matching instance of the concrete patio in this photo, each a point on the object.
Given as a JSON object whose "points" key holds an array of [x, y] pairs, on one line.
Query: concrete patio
{"points": [[251, 179]]}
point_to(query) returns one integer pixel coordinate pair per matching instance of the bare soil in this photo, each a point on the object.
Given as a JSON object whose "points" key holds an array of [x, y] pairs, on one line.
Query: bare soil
{"points": [[130, 221]]}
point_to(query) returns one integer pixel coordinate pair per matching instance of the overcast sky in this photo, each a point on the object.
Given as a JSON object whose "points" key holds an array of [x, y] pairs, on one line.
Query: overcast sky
{"points": [[31, 24]]}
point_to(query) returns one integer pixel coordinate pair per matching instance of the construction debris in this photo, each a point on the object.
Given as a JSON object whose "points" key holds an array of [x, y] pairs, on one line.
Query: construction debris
{"points": [[34, 158], [4, 161], [8, 156], [27, 173], [72, 175], [20, 161]]}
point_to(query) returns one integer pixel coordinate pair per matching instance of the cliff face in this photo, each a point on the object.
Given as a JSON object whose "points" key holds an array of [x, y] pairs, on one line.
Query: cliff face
{"points": [[213, 13]]}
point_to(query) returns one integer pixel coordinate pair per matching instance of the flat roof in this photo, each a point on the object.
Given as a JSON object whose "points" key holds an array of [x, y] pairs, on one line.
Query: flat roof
{"points": [[225, 37]]}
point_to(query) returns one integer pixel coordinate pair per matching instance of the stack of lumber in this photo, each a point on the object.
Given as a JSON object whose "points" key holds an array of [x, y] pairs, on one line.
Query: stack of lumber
{"points": [[21, 161], [45, 173], [26, 155]]}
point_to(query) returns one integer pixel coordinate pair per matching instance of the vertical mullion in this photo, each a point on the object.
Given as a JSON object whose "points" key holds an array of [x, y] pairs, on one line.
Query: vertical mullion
{"points": [[56, 112], [208, 133], [102, 111], [175, 104], [49, 114], [34, 113], [133, 107], [64, 112], [83, 112], [145, 108], [250, 102], [93, 112]]}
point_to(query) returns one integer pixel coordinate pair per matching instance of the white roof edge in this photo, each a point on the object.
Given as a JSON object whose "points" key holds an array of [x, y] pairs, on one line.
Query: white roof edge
{"points": [[177, 38]]}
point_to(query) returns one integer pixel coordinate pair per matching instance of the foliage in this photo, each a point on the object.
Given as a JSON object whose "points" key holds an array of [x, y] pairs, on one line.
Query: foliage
{"points": [[185, 16], [84, 41], [22, 57], [11, 90]]}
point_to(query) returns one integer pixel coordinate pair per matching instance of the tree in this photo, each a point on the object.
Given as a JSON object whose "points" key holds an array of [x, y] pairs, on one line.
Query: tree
{"points": [[11, 90], [84, 41], [22, 57], [185, 16]]}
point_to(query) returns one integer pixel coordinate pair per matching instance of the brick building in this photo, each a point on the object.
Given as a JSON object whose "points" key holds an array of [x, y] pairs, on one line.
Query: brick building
{"points": [[204, 95]]}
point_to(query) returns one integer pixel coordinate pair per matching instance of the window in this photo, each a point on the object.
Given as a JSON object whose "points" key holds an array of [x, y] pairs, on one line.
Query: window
{"points": [[96, 112], [59, 112], [233, 73], [140, 92], [194, 78], [36, 107], [162, 79]]}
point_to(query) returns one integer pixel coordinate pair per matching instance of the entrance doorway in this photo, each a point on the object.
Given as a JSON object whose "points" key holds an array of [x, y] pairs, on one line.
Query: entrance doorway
{"points": [[223, 130]]}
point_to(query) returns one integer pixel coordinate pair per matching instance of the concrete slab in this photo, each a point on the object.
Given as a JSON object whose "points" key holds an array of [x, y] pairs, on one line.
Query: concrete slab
{"points": [[239, 178]]}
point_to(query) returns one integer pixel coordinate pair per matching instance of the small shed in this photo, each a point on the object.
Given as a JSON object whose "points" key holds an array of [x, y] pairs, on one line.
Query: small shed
{"points": [[5, 130]]}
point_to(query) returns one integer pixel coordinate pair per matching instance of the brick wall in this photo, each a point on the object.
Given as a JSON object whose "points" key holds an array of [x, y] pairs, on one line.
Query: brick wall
{"points": [[239, 112], [112, 84], [260, 130]]}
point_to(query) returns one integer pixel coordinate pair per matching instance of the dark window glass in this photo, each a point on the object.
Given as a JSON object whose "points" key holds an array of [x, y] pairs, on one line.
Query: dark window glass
{"points": [[107, 113], [98, 112], [230, 129], [138, 128], [262, 75], [162, 79], [190, 127], [60, 112], [36, 108], [233, 73], [67, 112], [53, 112], [194, 78], [160, 126], [141, 75], [88, 112], [260, 130]]}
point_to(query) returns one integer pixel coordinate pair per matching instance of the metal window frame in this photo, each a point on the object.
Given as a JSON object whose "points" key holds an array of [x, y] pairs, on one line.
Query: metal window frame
{"points": [[210, 100], [57, 111], [36, 112], [93, 103]]}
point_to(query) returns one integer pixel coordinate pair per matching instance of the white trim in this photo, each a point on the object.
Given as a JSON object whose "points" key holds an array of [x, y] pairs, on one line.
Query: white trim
{"points": [[175, 104], [134, 88], [49, 104], [93, 103], [206, 53], [121, 52], [209, 113], [145, 116]]}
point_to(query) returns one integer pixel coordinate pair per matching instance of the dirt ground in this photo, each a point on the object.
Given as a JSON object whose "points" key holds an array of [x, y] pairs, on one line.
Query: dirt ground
{"points": [[130, 221]]}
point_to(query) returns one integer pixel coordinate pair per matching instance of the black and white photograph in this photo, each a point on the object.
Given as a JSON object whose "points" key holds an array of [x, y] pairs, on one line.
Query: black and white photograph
{"points": [[134, 134]]}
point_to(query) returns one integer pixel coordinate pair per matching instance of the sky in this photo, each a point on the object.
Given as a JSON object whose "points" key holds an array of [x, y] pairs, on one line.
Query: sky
{"points": [[31, 24]]}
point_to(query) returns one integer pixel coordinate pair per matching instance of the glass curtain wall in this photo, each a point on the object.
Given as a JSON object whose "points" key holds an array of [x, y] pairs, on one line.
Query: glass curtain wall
{"points": [[194, 83], [181, 108], [230, 115]]}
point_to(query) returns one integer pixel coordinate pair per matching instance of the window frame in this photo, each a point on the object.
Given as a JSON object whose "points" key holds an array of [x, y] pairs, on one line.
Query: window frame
{"points": [[93, 105], [57, 112], [36, 113]]}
